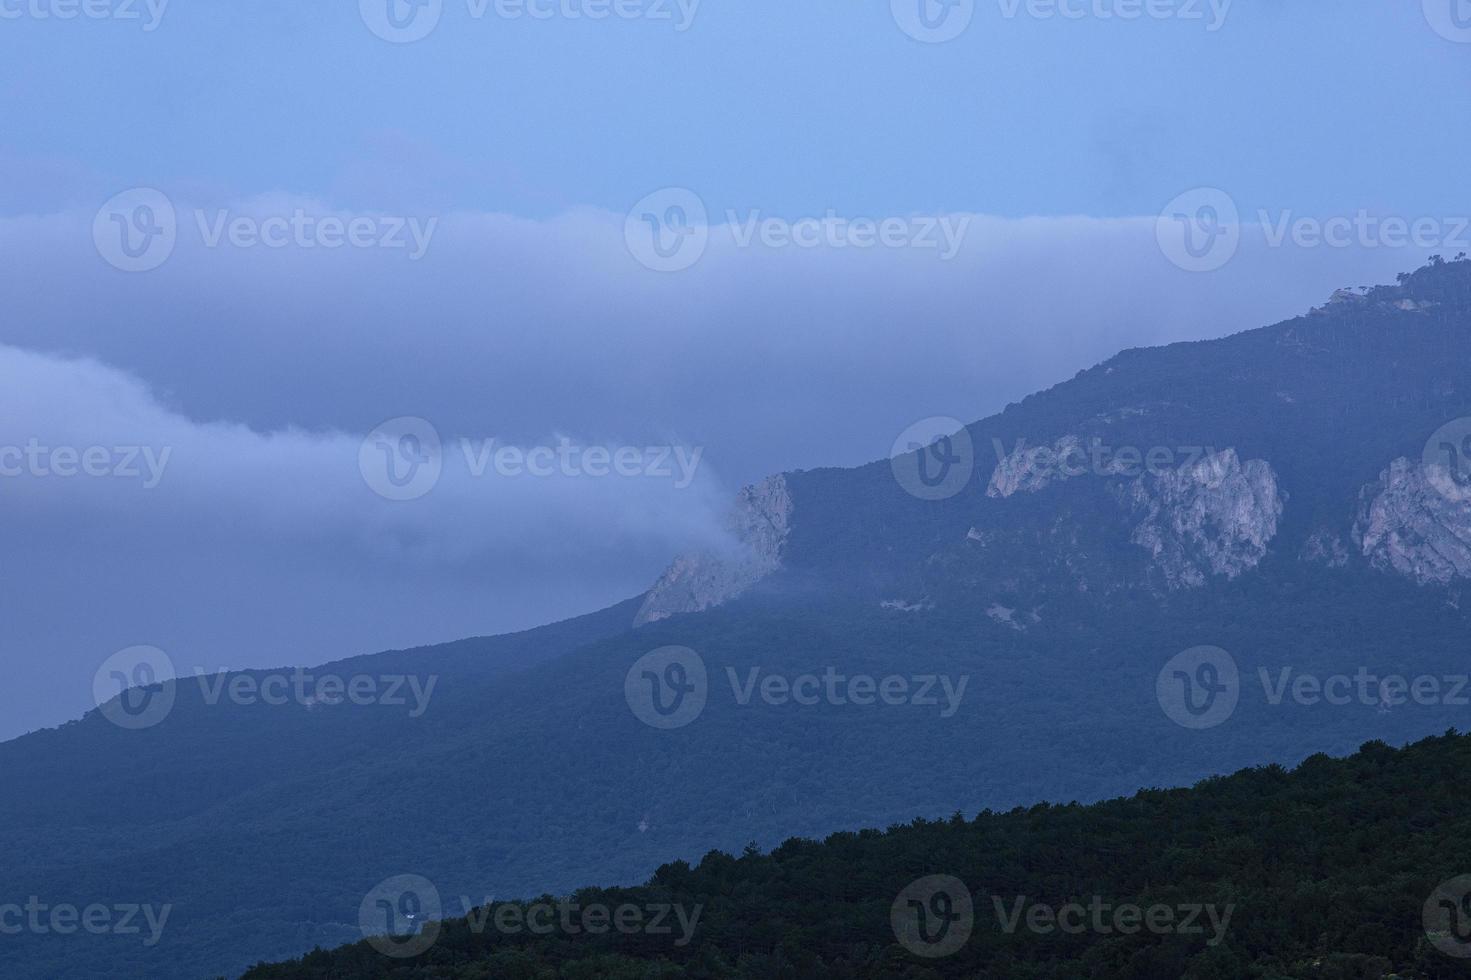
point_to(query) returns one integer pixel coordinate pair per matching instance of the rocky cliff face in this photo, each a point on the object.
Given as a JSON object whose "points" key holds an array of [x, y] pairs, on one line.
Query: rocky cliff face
{"points": [[758, 526], [1086, 510], [1415, 522], [1214, 517]]}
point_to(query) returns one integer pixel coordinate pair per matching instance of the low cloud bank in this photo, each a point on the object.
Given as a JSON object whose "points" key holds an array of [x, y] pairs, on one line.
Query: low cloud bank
{"points": [[253, 373]]}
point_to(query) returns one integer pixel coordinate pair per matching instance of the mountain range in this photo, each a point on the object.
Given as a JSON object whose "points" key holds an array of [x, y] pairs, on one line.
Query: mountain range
{"points": [[1182, 562]]}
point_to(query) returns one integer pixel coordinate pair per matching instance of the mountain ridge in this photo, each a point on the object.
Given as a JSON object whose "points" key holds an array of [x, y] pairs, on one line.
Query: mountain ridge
{"points": [[1417, 304], [546, 777]]}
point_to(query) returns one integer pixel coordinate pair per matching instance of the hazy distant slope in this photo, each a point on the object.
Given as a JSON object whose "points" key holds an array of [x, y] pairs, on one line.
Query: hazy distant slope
{"points": [[1321, 872]]}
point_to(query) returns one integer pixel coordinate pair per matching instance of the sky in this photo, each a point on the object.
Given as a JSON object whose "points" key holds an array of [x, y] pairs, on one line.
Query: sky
{"points": [[723, 240]]}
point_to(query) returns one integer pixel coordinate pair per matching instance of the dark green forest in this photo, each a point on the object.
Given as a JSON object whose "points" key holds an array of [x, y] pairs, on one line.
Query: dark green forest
{"points": [[1326, 871]]}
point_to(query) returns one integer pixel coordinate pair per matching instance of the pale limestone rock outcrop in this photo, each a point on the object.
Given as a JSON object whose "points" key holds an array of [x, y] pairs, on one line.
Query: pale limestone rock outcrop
{"points": [[1214, 517], [1027, 470], [1415, 521], [758, 526]]}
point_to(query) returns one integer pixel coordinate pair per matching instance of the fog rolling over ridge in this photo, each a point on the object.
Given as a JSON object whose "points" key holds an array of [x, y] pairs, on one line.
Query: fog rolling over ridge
{"points": [[1181, 554], [263, 446]]}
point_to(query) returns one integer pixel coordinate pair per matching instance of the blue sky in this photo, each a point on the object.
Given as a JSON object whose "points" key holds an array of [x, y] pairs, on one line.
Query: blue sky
{"points": [[1053, 141], [789, 107]]}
